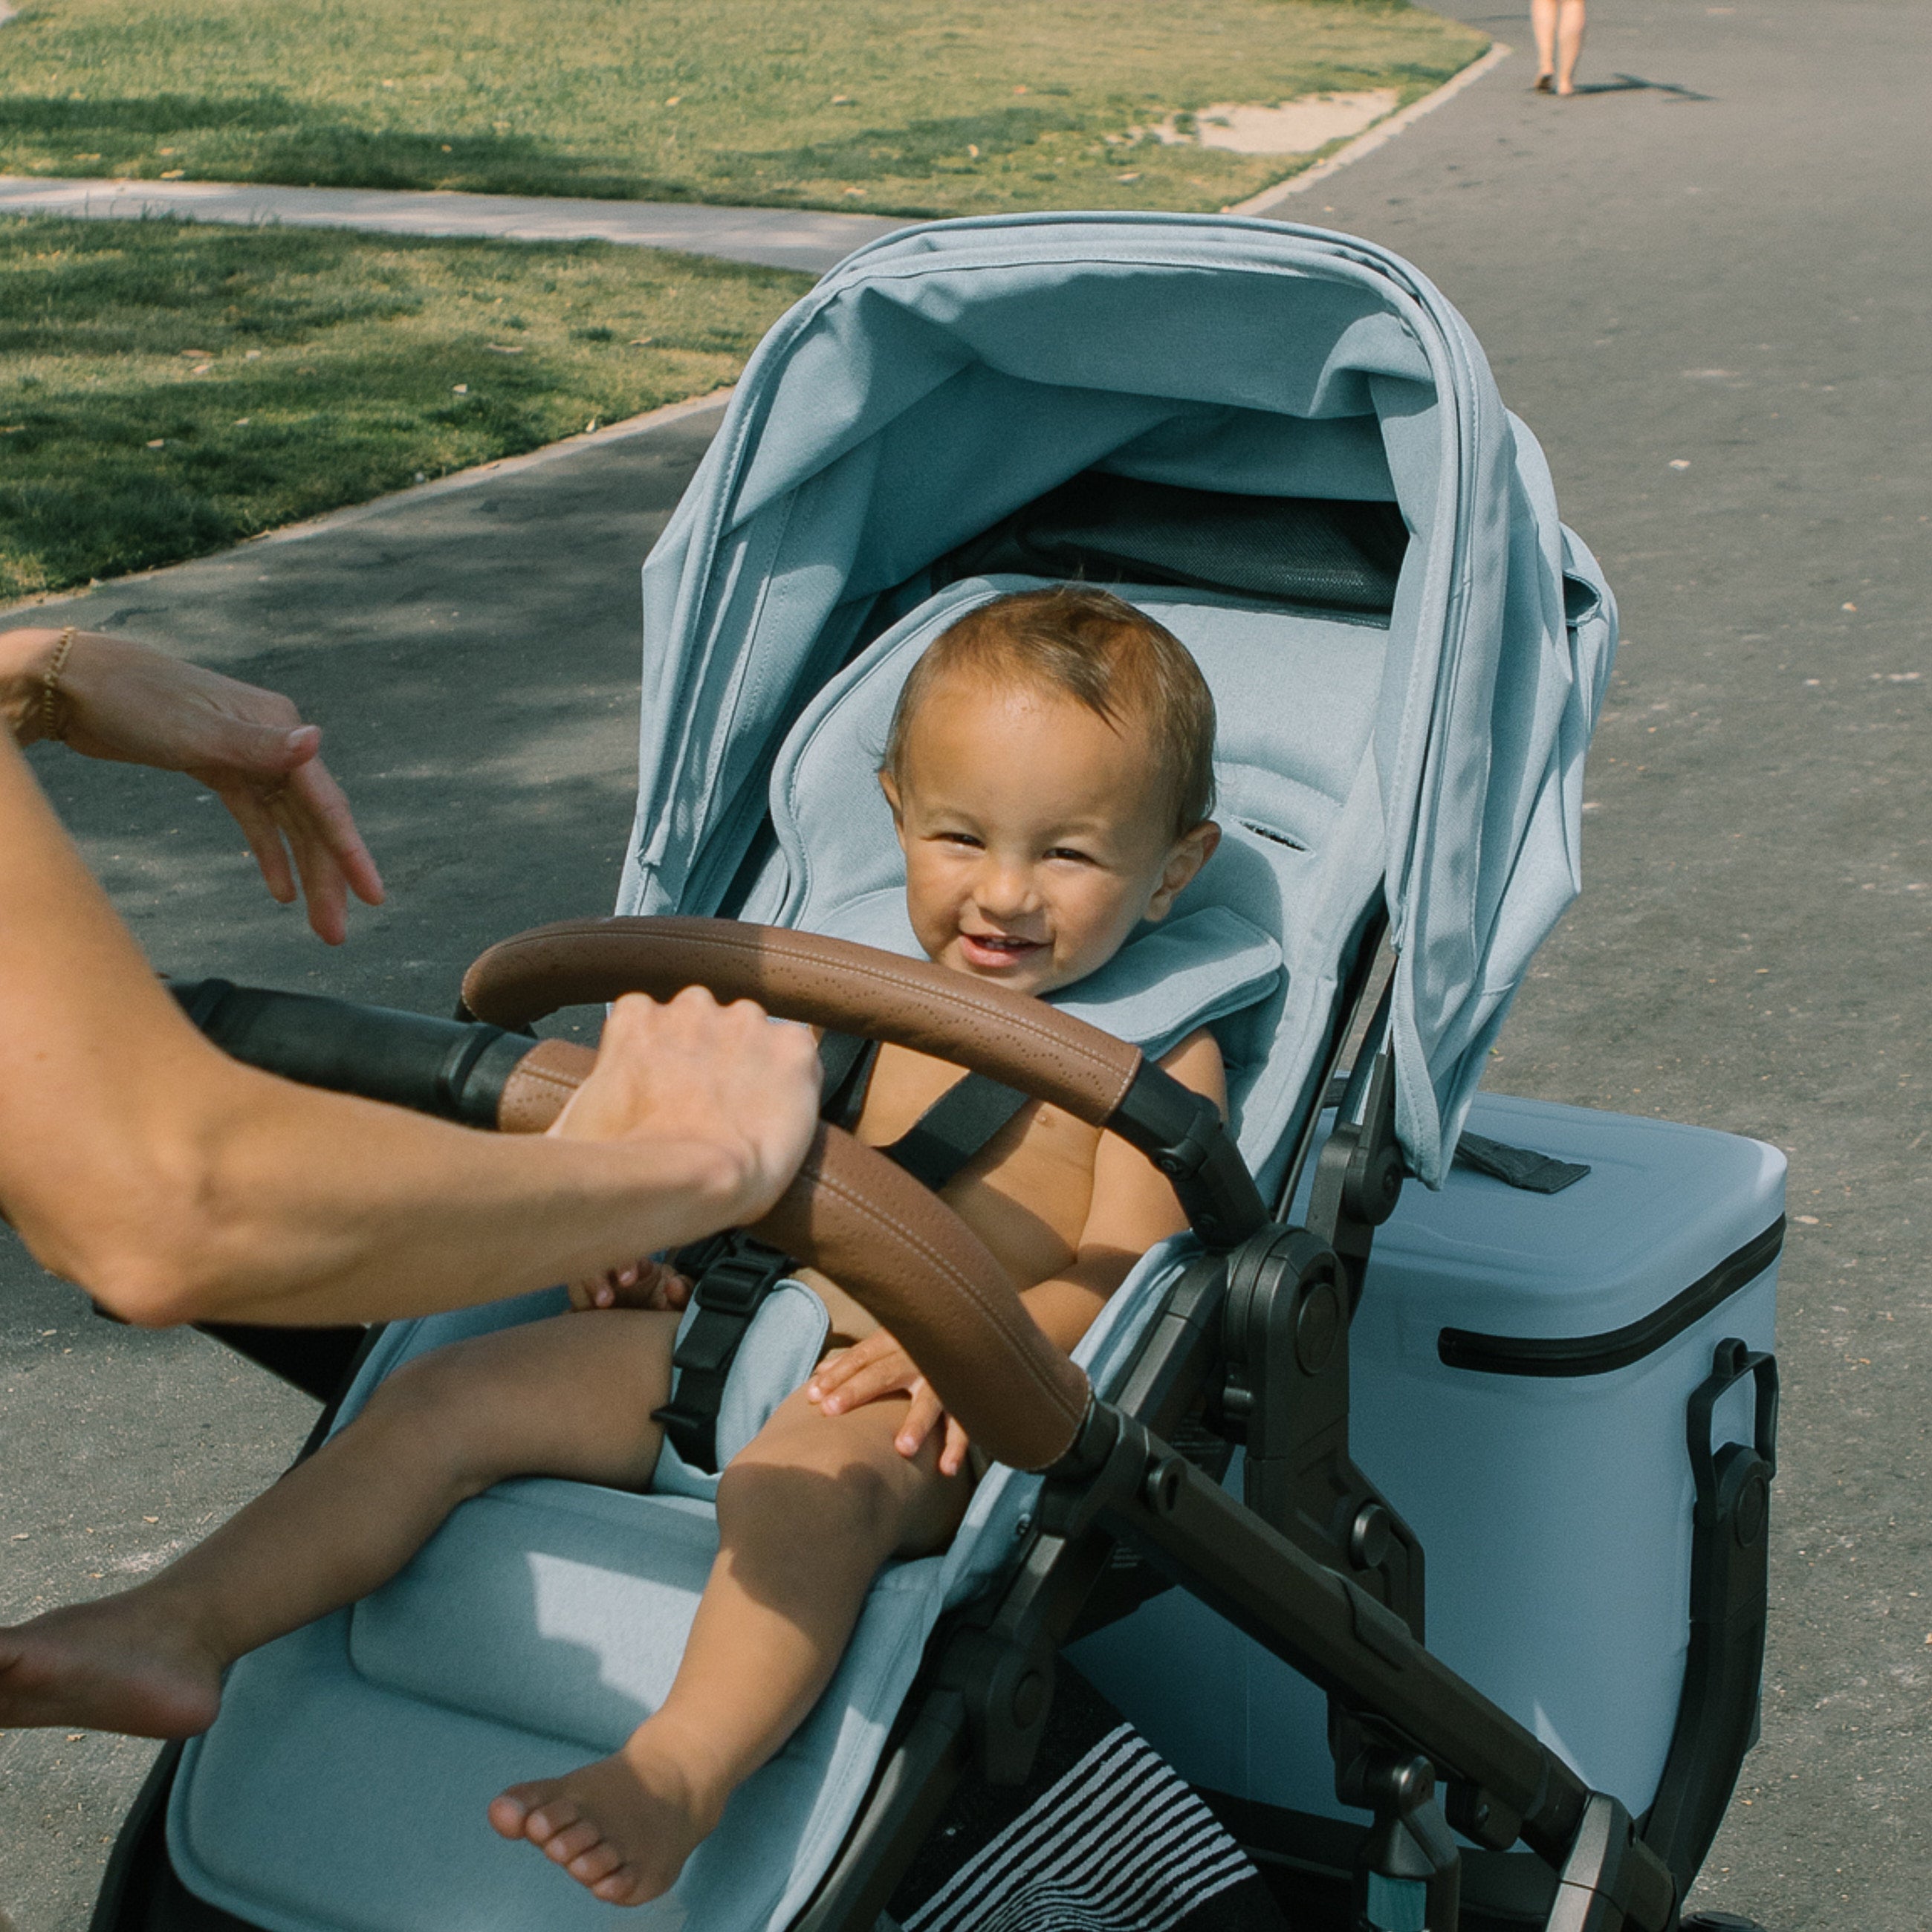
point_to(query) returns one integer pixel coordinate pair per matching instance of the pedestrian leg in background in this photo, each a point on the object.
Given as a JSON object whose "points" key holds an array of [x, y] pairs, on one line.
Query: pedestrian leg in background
{"points": [[1557, 25]]}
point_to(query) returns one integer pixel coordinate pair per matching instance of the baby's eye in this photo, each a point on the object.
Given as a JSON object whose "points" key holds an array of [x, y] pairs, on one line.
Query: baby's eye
{"points": [[1068, 852], [964, 839]]}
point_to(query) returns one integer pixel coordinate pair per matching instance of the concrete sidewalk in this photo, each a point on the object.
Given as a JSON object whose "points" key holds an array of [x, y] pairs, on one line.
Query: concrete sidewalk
{"points": [[774, 238]]}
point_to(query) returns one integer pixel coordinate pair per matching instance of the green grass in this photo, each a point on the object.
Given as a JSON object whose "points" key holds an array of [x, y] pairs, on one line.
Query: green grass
{"points": [[904, 107], [166, 389]]}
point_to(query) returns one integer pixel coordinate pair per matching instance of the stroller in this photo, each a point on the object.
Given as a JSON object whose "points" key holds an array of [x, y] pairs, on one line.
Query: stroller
{"points": [[1549, 1366]]}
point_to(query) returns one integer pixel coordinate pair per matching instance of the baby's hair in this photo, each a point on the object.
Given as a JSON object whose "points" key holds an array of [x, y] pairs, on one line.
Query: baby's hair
{"points": [[1096, 648]]}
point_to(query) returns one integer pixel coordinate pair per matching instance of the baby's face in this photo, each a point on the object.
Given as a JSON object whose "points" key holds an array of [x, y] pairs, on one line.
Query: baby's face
{"points": [[1036, 837]]}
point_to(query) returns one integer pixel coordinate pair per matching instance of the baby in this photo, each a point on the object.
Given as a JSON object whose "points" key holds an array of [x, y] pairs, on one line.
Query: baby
{"points": [[1049, 772]]}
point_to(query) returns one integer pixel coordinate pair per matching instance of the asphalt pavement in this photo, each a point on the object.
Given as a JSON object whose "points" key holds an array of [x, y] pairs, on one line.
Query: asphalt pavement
{"points": [[470, 649], [1704, 283]]}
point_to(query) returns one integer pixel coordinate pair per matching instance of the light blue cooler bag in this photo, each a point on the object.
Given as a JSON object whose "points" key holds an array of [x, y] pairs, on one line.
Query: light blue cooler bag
{"points": [[1530, 1371]]}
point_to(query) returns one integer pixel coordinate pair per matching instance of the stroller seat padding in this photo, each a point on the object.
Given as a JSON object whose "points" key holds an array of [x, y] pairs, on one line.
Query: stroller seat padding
{"points": [[554, 1606], [563, 1607], [1296, 698], [325, 1799]]}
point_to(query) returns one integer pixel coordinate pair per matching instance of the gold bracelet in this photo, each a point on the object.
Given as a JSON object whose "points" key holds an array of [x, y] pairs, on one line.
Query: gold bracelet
{"points": [[50, 685]]}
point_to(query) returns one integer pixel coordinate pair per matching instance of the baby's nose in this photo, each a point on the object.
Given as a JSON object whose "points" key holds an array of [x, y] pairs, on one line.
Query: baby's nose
{"points": [[1006, 892]]}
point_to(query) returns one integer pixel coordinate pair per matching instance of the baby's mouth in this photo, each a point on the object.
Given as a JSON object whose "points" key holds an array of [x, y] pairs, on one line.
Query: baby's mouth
{"points": [[992, 951]]}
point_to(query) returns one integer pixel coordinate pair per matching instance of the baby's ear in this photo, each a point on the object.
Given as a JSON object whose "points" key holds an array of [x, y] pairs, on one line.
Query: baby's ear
{"points": [[889, 785], [1185, 858]]}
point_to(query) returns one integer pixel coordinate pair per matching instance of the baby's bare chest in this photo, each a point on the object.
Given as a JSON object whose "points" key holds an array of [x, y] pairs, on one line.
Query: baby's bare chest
{"points": [[1026, 1194]]}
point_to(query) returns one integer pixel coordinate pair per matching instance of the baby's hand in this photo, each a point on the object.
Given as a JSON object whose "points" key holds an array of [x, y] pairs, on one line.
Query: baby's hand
{"points": [[644, 1284], [876, 1366]]}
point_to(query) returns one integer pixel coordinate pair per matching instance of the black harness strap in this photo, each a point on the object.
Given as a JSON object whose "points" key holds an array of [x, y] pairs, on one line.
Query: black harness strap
{"points": [[731, 1274], [848, 1061], [954, 1129]]}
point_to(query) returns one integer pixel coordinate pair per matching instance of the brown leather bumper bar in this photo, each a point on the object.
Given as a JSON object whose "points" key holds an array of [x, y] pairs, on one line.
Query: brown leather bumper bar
{"points": [[900, 1251], [828, 982], [1010, 1037]]}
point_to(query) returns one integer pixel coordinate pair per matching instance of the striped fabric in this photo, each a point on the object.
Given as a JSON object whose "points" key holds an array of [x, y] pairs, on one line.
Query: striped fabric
{"points": [[1117, 1843]]}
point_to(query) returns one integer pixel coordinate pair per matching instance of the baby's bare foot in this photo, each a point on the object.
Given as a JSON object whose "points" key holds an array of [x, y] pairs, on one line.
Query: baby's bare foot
{"points": [[623, 1826], [110, 1667]]}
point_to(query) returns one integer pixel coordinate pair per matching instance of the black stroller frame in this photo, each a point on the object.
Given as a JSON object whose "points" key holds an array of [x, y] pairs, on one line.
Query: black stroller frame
{"points": [[1250, 1348], [1316, 1565]]}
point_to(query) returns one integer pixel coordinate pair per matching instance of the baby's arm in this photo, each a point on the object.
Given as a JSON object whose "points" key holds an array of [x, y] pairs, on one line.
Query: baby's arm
{"points": [[639, 1284], [1132, 1207]]}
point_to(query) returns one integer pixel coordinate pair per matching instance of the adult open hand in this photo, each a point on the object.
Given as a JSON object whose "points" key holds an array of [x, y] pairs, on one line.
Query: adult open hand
{"points": [[727, 1080], [116, 699]]}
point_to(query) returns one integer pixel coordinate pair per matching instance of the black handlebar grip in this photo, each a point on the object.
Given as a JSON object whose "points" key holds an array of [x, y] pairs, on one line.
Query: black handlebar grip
{"points": [[454, 1068]]}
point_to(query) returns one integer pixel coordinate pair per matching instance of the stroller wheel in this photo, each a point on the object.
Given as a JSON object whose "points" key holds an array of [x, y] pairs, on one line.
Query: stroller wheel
{"points": [[1718, 1922]]}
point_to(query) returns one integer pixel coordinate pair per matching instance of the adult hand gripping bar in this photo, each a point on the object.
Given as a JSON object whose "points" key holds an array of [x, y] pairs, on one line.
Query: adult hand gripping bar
{"points": [[1008, 1036]]}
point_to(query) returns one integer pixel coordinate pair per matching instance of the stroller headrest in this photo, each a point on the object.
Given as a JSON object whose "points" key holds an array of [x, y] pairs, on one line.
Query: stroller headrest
{"points": [[1285, 765]]}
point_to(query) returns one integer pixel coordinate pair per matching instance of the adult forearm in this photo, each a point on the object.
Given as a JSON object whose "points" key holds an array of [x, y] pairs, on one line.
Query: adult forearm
{"points": [[175, 1184], [280, 1204]]}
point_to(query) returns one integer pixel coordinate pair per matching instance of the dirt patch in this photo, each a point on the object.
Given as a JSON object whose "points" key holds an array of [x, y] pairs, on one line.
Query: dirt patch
{"points": [[1298, 126]]}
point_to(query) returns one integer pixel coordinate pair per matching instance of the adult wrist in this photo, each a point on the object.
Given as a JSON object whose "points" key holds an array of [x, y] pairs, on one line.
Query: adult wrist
{"points": [[33, 662], [24, 655]]}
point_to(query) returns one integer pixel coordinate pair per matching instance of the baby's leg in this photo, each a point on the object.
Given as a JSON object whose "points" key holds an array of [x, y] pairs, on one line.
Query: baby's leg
{"points": [[806, 1515], [571, 1396]]}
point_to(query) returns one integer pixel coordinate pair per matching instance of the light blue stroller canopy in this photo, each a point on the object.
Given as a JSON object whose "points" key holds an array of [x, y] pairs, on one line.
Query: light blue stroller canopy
{"points": [[939, 379], [1424, 751]]}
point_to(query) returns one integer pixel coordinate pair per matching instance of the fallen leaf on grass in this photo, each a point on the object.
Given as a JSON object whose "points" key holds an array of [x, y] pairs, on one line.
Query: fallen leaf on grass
{"points": [[159, 442], [173, 174], [461, 389], [639, 342], [504, 348]]}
